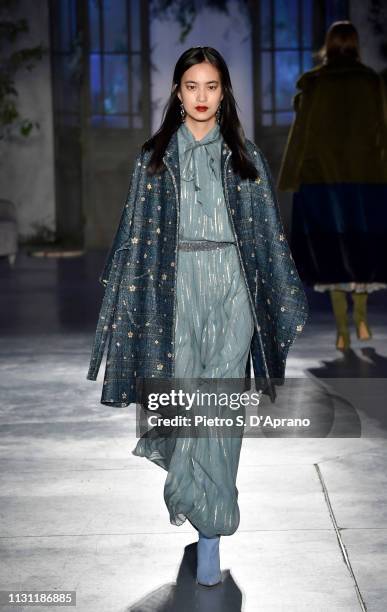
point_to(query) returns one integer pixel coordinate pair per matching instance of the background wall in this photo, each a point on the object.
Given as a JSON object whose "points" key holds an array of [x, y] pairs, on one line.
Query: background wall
{"points": [[27, 164], [27, 167], [228, 34]]}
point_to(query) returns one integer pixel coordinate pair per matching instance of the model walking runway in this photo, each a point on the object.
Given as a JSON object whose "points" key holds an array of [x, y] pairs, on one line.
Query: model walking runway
{"points": [[213, 332]]}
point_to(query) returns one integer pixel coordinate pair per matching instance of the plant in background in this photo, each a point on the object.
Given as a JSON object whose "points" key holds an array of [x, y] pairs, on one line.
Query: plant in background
{"points": [[13, 59], [184, 12]]}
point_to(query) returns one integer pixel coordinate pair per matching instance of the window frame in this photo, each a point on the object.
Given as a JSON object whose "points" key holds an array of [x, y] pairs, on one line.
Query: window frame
{"points": [[322, 16]]}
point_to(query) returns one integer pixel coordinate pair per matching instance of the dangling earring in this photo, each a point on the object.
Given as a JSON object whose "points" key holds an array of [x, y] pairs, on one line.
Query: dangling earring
{"points": [[218, 111], [182, 111]]}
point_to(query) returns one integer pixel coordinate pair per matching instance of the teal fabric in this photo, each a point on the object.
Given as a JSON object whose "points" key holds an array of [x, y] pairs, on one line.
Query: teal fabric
{"points": [[214, 328], [214, 324]]}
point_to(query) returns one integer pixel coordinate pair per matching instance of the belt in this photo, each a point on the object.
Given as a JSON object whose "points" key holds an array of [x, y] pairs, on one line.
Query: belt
{"points": [[202, 245]]}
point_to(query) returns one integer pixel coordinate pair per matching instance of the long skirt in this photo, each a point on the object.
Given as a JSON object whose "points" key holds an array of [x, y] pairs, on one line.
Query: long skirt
{"points": [[214, 328], [339, 235]]}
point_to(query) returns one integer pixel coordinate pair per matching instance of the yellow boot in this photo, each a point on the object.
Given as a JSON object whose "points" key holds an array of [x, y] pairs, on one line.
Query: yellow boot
{"points": [[340, 309], [360, 315]]}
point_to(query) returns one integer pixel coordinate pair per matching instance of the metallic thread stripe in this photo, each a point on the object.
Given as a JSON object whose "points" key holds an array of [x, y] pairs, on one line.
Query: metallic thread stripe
{"points": [[267, 374], [202, 245]]}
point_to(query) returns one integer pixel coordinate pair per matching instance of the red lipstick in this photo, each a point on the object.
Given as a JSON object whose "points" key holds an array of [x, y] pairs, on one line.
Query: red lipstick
{"points": [[201, 108]]}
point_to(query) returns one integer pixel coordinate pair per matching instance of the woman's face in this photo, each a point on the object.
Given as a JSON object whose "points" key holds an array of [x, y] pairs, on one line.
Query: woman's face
{"points": [[201, 91]]}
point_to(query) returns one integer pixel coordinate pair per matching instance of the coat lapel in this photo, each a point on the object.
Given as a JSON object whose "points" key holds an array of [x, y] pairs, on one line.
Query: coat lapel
{"points": [[171, 158]]}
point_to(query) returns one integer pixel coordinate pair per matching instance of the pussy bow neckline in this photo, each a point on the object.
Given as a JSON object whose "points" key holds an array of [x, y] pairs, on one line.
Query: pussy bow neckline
{"points": [[201, 163]]}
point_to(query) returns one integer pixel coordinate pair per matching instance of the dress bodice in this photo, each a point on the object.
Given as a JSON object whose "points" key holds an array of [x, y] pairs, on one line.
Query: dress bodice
{"points": [[203, 211]]}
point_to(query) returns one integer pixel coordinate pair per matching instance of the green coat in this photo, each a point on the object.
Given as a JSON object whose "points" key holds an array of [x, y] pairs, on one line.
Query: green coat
{"points": [[339, 133]]}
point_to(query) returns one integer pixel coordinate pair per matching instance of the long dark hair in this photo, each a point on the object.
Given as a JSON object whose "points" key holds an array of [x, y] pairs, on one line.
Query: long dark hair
{"points": [[230, 125], [341, 42]]}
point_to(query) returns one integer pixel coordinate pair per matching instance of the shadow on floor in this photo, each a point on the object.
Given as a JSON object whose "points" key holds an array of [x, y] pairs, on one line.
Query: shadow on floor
{"points": [[189, 596], [361, 384], [351, 366], [344, 398]]}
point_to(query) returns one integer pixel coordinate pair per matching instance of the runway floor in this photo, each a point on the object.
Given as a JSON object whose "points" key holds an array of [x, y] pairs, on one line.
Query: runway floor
{"points": [[80, 512]]}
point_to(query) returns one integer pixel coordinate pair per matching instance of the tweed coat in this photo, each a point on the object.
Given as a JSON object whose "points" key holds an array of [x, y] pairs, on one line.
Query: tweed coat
{"points": [[137, 316]]}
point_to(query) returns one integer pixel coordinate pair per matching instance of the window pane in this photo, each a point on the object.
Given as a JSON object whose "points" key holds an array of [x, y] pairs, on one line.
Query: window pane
{"points": [[307, 23], [266, 81], [287, 70], [136, 84], [114, 121], [307, 60], [115, 26], [283, 118], [94, 25], [135, 25], [115, 69], [117, 121], [115, 84], [291, 56], [266, 23], [286, 23], [95, 83]]}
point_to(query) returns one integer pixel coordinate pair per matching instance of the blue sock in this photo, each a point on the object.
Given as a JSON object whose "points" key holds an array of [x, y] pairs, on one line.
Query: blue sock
{"points": [[208, 560]]}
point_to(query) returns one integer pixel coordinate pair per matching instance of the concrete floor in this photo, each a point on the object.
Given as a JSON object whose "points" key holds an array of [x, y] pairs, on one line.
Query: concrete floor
{"points": [[80, 512]]}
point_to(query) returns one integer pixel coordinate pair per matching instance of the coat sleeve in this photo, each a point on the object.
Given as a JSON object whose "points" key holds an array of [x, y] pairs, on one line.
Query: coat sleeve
{"points": [[122, 232], [282, 295], [289, 174]]}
